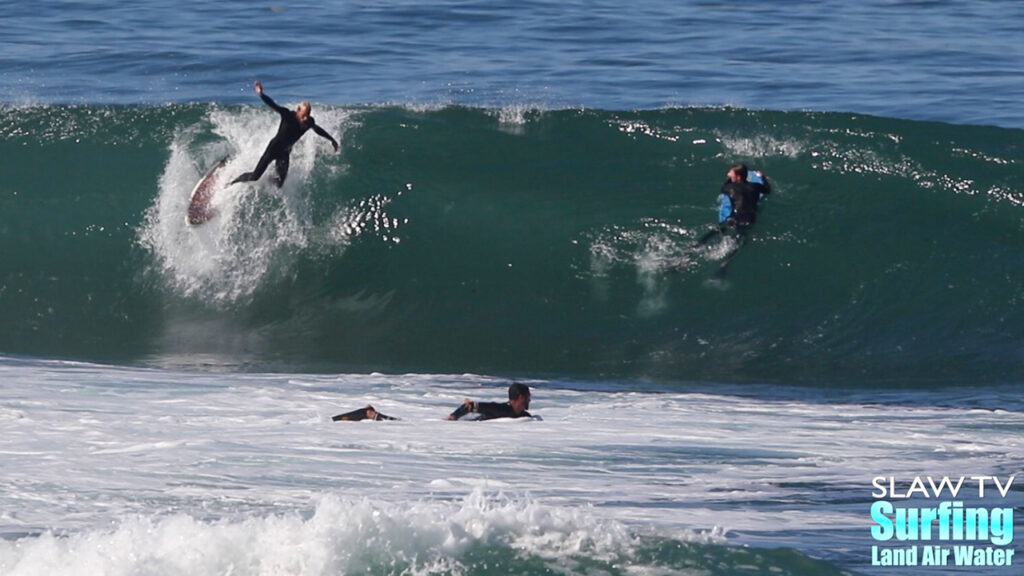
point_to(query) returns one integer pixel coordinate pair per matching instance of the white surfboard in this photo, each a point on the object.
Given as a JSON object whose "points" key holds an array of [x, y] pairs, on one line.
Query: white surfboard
{"points": [[199, 207]]}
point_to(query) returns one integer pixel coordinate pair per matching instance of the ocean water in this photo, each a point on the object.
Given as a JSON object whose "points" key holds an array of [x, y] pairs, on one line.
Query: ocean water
{"points": [[518, 196]]}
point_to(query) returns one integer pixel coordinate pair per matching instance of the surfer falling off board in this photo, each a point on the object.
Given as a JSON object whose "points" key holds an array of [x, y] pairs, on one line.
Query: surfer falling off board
{"points": [[294, 124]]}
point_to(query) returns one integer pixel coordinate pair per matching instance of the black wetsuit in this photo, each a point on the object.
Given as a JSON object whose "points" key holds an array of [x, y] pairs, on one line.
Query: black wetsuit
{"points": [[744, 197], [280, 147], [489, 411]]}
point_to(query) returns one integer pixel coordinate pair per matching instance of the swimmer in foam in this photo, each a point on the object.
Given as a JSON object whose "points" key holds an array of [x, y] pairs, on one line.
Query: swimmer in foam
{"points": [[294, 124], [518, 402]]}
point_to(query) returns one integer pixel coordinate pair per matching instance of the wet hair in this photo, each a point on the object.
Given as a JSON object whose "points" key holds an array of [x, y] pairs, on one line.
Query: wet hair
{"points": [[517, 389], [740, 170], [306, 105]]}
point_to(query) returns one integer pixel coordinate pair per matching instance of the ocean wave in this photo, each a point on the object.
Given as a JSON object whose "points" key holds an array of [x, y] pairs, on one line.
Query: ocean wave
{"points": [[481, 534], [519, 240]]}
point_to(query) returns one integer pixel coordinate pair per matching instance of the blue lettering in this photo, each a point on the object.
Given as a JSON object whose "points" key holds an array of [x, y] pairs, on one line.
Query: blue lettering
{"points": [[884, 528]]}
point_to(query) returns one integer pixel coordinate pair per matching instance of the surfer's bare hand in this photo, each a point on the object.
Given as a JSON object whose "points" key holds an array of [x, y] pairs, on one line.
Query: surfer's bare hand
{"points": [[258, 86]]}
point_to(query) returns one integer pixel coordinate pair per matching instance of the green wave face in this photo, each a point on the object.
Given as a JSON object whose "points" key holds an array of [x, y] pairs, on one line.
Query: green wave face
{"points": [[517, 241]]}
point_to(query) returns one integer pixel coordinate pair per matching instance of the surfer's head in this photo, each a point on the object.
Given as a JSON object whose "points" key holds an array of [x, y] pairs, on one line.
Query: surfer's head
{"points": [[302, 110], [519, 397], [738, 173]]}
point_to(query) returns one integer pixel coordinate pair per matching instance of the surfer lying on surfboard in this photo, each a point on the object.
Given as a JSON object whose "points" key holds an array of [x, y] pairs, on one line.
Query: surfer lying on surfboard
{"points": [[737, 208], [294, 124], [737, 202], [518, 402]]}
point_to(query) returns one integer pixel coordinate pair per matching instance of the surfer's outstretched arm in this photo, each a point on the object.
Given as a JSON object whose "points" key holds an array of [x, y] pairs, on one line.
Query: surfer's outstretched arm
{"points": [[323, 133], [258, 87]]}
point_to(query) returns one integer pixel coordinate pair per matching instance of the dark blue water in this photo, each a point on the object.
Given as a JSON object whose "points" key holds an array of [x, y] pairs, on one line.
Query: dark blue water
{"points": [[957, 62]]}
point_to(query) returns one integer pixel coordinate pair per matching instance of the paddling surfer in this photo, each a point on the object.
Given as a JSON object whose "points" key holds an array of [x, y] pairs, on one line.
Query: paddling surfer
{"points": [[518, 402], [737, 209], [294, 124], [743, 196], [737, 202]]}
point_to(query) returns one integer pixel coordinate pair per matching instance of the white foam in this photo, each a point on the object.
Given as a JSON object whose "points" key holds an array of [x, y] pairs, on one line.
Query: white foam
{"points": [[657, 252], [339, 536], [760, 146], [135, 470], [258, 231]]}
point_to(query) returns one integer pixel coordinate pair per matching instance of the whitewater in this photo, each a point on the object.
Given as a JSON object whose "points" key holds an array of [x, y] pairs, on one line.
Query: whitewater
{"points": [[163, 472]]}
